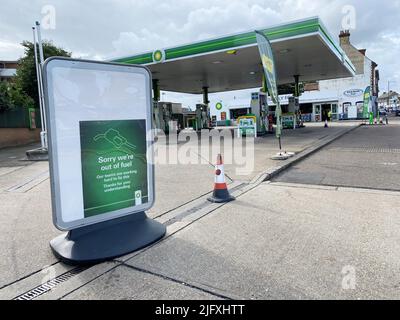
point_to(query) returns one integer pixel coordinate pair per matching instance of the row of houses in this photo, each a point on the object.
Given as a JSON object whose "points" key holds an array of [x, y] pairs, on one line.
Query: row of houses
{"points": [[389, 101]]}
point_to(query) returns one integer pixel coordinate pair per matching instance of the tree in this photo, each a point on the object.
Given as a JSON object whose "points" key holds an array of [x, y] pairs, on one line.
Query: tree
{"points": [[26, 79], [12, 97], [5, 102]]}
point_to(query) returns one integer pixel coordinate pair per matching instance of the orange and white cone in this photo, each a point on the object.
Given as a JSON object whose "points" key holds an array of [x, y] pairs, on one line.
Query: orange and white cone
{"points": [[221, 193]]}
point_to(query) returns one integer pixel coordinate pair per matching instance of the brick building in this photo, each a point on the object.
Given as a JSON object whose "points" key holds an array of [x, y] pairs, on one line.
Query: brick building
{"points": [[8, 70]]}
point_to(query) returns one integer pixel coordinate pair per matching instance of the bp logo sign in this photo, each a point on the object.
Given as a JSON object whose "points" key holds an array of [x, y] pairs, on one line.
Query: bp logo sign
{"points": [[159, 56], [218, 106], [138, 197]]}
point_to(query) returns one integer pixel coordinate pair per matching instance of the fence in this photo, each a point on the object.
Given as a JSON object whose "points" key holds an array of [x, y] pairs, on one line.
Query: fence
{"points": [[20, 118]]}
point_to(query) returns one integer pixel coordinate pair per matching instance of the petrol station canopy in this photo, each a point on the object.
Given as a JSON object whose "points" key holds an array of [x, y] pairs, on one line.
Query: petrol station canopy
{"points": [[303, 48]]}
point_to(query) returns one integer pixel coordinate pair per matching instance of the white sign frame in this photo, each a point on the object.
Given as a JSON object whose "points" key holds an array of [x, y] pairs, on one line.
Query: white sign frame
{"points": [[54, 161]]}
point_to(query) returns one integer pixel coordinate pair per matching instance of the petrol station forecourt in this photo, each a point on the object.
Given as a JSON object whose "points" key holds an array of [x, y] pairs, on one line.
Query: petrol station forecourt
{"points": [[203, 246], [304, 51]]}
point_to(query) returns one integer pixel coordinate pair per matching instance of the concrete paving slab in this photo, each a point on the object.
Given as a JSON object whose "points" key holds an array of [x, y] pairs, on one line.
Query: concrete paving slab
{"points": [[7, 170], [369, 191], [177, 185], [25, 232], [181, 217], [80, 280], [303, 186], [282, 242], [124, 283], [23, 175], [32, 281]]}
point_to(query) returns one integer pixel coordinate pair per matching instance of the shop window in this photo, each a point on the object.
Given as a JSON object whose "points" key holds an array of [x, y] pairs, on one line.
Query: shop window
{"points": [[306, 108], [346, 106], [236, 113]]}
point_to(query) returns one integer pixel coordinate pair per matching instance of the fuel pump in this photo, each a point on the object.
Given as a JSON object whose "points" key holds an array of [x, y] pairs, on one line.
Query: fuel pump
{"points": [[202, 117], [294, 109], [259, 108], [165, 113]]}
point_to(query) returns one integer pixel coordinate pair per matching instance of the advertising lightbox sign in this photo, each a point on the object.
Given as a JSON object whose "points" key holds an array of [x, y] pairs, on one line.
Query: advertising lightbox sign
{"points": [[99, 120]]}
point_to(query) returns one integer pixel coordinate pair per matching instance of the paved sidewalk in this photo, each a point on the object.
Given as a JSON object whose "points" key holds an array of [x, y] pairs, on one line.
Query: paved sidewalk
{"points": [[285, 242], [181, 190], [278, 241]]}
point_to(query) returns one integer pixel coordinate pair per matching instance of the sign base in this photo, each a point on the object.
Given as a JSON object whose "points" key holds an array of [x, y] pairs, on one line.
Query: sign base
{"points": [[107, 240], [283, 155], [37, 155]]}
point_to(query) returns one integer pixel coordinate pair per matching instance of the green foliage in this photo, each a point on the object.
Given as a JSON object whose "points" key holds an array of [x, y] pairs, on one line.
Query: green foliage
{"points": [[5, 102], [26, 78], [12, 97]]}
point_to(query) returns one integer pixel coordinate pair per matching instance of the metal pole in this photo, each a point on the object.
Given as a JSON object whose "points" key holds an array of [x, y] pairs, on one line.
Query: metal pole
{"points": [[206, 102], [41, 56], [39, 35], [42, 138]]}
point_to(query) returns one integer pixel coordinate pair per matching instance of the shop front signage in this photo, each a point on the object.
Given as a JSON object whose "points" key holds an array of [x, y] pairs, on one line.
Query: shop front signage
{"points": [[353, 93]]}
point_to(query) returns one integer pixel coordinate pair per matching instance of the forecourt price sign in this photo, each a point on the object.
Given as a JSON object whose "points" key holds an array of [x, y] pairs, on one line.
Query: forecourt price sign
{"points": [[102, 177]]}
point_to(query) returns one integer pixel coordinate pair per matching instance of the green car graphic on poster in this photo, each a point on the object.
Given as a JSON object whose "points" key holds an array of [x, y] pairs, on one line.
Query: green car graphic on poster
{"points": [[114, 165]]}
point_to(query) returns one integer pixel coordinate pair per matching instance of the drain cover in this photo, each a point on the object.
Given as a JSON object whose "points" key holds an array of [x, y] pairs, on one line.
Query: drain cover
{"points": [[46, 287]]}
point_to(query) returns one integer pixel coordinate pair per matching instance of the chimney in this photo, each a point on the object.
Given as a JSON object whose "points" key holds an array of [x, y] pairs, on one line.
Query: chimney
{"points": [[344, 37], [363, 51]]}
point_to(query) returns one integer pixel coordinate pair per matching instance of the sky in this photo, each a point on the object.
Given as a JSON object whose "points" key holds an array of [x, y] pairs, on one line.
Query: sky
{"points": [[105, 29]]}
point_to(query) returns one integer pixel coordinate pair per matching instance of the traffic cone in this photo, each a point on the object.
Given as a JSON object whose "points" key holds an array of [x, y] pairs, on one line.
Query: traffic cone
{"points": [[221, 193]]}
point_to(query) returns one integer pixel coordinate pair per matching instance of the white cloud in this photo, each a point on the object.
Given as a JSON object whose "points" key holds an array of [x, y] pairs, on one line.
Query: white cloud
{"points": [[199, 24], [10, 50]]}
